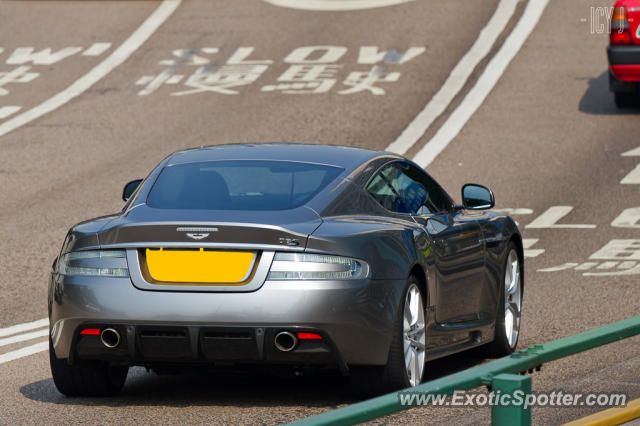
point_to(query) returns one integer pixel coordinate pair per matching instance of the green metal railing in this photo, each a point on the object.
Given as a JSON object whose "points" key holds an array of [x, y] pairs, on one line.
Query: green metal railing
{"points": [[503, 375]]}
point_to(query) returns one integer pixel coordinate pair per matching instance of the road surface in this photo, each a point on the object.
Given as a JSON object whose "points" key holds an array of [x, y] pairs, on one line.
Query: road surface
{"points": [[511, 94]]}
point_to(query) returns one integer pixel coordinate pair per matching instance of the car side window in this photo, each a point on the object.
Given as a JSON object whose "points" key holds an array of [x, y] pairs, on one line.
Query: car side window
{"points": [[437, 200], [403, 188]]}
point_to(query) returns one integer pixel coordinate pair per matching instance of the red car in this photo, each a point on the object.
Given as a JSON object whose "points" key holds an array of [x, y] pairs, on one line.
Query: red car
{"points": [[624, 53]]}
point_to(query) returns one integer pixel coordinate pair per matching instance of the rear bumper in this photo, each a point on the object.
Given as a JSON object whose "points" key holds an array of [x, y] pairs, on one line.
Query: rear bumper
{"points": [[162, 344], [355, 319], [624, 62]]}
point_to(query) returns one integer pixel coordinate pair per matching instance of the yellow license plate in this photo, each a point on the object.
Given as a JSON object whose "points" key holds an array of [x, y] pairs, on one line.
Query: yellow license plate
{"points": [[199, 266]]}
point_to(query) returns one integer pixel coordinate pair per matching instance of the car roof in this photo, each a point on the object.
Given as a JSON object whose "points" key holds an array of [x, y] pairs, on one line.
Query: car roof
{"points": [[334, 155]]}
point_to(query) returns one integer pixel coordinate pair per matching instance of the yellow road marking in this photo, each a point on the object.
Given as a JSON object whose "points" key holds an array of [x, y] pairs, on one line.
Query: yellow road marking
{"points": [[612, 416]]}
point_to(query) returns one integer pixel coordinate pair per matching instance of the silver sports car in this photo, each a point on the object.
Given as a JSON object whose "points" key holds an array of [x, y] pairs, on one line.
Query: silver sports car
{"points": [[304, 255]]}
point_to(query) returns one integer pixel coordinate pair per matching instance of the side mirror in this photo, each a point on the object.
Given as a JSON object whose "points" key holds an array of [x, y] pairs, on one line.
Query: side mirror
{"points": [[130, 188], [477, 197]]}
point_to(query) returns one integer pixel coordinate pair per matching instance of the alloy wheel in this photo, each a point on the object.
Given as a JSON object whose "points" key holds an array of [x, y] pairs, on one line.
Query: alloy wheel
{"points": [[512, 298], [414, 335]]}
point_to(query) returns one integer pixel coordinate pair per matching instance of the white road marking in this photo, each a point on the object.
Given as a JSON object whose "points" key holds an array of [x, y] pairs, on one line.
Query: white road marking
{"points": [[370, 55], [633, 178], [313, 70], [20, 328], [633, 271], [514, 211], [633, 153], [117, 57], [17, 75], [23, 55], [96, 49], [8, 110], [457, 78], [241, 54], [26, 351], [549, 219], [586, 265], [323, 54], [189, 57], [528, 251], [619, 249], [485, 84], [627, 267], [629, 218], [568, 265], [335, 5], [607, 265], [24, 337]]}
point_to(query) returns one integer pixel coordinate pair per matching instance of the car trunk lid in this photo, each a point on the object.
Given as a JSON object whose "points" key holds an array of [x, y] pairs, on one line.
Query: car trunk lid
{"points": [[147, 227], [196, 250]]}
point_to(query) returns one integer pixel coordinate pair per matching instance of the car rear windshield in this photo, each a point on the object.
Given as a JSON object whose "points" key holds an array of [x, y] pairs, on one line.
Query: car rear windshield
{"points": [[239, 185]]}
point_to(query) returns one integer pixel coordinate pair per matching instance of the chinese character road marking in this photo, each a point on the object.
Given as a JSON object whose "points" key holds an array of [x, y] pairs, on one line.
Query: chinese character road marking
{"points": [[633, 178], [619, 249], [634, 271], [236, 71], [23, 55], [620, 257], [221, 79], [364, 81], [586, 265], [564, 266], [189, 57], [633, 153], [240, 56], [370, 55], [305, 79], [117, 57], [529, 252], [154, 82], [629, 218], [96, 49], [612, 268], [18, 75], [312, 69], [316, 55], [6, 111]]}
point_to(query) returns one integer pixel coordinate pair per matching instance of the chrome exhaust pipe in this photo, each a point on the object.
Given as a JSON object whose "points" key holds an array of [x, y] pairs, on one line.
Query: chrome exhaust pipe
{"points": [[285, 341], [110, 337]]}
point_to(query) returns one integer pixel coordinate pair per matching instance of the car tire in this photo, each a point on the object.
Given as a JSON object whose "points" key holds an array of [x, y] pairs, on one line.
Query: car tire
{"points": [[86, 378], [396, 374], [507, 329], [625, 100]]}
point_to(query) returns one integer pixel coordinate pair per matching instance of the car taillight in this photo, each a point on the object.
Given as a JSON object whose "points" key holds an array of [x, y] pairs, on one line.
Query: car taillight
{"points": [[309, 266], [620, 32], [98, 263]]}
